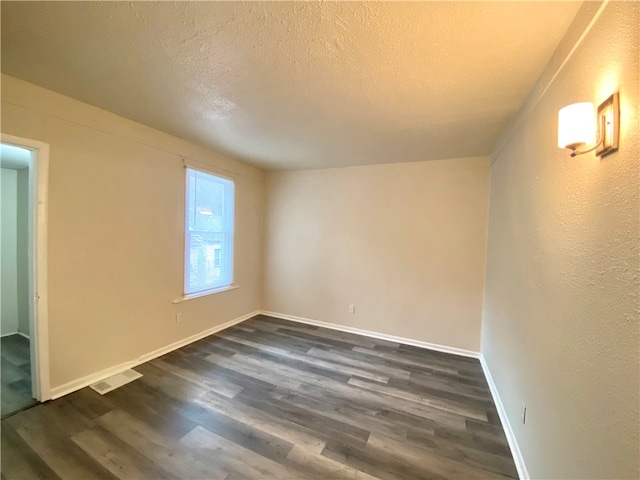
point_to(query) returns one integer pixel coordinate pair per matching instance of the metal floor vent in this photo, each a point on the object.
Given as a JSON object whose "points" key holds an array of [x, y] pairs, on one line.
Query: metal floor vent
{"points": [[115, 381]]}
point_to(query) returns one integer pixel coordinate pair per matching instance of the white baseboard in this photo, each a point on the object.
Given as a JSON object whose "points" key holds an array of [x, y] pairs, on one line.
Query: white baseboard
{"points": [[87, 380], [523, 473], [381, 336], [15, 333]]}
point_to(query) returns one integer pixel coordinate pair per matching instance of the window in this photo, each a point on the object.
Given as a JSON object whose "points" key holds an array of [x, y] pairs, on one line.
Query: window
{"points": [[208, 232]]}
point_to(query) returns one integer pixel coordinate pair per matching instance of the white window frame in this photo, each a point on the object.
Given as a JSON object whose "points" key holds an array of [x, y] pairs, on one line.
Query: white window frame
{"points": [[229, 240]]}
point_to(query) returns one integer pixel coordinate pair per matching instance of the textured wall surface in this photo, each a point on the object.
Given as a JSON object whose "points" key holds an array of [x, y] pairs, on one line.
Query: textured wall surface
{"points": [[295, 84], [116, 232], [404, 243], [8, 261], [561, 309]]}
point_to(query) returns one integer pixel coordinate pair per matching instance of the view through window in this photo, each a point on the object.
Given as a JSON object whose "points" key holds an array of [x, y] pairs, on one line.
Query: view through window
{"points": [[209, 232]]}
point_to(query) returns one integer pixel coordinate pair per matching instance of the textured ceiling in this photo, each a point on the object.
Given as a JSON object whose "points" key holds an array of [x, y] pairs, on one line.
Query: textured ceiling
{"points": [[295, 84]]}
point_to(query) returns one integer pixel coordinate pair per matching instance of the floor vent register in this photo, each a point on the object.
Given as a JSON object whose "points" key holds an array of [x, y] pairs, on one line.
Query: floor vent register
{"points": [[115, 381]]}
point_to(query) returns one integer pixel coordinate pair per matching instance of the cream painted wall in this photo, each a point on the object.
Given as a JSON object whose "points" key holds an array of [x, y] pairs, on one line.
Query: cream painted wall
{"points": [[404, 243], [561, 308], [8, 261], [22, 239], [116, 196]]}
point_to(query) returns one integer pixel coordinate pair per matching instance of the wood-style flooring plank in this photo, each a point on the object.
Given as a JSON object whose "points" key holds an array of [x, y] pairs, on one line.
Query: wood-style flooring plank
{"points": [[277, 426], [181, 462], [57, 450], [19, 461], [116, 456], [270, 398]]}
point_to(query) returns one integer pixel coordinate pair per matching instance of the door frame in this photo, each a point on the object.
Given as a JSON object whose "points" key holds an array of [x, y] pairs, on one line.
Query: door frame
{"points": [[37, 260]]}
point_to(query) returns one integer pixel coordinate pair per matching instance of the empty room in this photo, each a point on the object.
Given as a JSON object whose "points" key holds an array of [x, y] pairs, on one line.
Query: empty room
{"points": [[320, 240]]}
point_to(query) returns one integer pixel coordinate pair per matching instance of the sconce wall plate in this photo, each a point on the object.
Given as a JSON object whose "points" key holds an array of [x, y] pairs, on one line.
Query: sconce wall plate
{"points": [[609, 125], [578, 123]]}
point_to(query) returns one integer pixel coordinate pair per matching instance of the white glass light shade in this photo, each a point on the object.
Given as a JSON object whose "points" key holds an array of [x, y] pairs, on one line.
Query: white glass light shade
{"points": [[576, 125]]}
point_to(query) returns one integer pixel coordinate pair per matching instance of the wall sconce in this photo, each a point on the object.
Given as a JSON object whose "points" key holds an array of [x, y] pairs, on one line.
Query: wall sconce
{"points": [[577, 127]]}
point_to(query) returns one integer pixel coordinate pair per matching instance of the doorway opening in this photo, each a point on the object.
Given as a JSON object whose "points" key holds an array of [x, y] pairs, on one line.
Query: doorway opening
{"points": [[23, 310]]}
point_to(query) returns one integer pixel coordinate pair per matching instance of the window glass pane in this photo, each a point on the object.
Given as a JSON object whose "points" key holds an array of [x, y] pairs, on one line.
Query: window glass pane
{"points": [[209, 232]]}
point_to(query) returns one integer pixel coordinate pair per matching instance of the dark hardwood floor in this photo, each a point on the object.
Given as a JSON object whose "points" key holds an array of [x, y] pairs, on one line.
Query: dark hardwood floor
{"points": [[270, 398], [16, 374]]}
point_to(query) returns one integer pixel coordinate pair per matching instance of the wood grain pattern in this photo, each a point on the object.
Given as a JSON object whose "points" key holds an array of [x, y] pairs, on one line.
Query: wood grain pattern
{"points": [[274, 399]]}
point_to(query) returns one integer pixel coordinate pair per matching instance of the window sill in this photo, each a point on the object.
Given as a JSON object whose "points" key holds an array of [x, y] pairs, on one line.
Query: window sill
{"points": [[204, 293]]}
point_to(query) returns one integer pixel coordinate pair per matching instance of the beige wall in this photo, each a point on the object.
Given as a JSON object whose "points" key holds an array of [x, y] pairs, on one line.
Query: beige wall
{"points": [[116, 196], [404, 243], [8, 260], [22, 251], [561, 308]]}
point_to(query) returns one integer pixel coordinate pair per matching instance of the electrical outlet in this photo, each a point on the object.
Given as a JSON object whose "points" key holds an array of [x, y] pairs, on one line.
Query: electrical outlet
{"points": [[352, 309], [179, 317], [523, 414]]}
